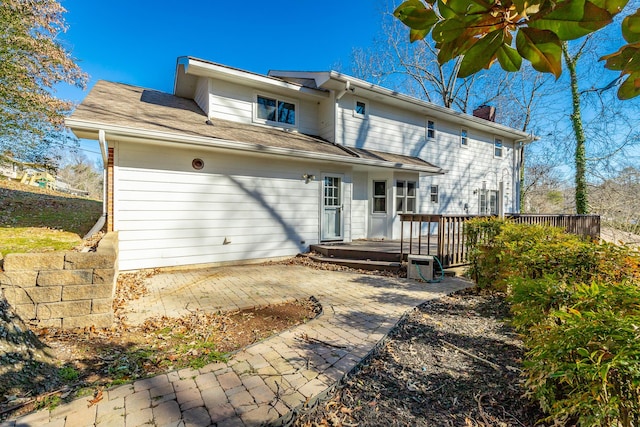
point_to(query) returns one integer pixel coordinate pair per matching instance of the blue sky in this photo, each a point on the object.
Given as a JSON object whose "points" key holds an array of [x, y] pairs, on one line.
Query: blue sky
{"points": [[137, 42]]}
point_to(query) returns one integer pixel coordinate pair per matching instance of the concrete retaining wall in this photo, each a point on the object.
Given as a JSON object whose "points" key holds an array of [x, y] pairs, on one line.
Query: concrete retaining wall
{"points": [[63, 289]]}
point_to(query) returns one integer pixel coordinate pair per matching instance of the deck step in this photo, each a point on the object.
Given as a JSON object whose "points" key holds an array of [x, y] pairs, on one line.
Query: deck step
{"points": [[359, 263], [355, 253]]}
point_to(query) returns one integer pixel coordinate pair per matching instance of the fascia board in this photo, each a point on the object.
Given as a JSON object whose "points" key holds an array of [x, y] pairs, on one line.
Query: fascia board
{"points": [[88, 129], [206, 69]]}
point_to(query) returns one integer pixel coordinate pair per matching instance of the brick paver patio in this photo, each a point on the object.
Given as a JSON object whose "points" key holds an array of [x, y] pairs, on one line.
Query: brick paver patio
{"points": [[267, 382]]}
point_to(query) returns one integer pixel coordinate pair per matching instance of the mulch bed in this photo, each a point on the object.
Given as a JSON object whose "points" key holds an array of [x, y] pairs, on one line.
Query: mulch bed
{"points": [[452, 362]]}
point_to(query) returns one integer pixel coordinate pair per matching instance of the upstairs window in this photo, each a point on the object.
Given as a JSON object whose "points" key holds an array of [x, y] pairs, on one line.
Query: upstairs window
{"points": [[360, 109], [379, 196], [431, 129], [497, 147], [406, 196], [272, 110], [434, 194], [464, 139]]}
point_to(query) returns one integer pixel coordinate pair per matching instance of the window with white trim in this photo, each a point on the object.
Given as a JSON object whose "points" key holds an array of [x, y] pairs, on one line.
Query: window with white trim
{"points": [[464, 138], [431, 129], [275, 111], [360, 109], [488, 202], [379, 196], [434, 194], [497, 147], [406, 196]]}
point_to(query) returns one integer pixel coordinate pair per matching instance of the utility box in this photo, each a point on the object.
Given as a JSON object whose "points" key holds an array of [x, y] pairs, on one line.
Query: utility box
{"points": [[420, 267]]}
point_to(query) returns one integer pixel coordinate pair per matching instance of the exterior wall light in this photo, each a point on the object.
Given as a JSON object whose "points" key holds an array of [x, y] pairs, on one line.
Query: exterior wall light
{"points": [[308, 178]]}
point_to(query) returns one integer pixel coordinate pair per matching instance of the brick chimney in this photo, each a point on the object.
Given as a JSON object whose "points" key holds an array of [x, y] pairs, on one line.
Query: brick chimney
{"points": [[485, 112]]}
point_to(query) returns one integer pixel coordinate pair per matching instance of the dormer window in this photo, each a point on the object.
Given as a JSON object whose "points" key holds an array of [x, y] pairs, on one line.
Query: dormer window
{"points": [[275, 111], [360, 109]]}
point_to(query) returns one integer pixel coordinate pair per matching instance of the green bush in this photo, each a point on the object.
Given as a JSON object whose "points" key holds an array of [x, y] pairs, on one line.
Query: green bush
{"points": [[501, 252], [584, 367], [577, 306]]}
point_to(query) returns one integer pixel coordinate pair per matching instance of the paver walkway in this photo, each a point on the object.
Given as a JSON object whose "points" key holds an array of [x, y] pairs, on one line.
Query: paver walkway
{"points": [[267, 382]]}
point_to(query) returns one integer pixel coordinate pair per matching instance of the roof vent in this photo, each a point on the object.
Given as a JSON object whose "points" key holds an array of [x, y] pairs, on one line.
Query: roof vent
{"points": [[485, 112]]}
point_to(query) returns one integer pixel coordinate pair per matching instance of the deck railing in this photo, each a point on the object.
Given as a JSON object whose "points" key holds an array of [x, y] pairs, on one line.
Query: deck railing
{"points": [[445, 237]]}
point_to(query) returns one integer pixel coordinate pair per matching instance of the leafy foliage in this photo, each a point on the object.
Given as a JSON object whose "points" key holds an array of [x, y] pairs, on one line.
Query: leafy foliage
{"points": [[33, 62], [576, 305], [507, 31]]}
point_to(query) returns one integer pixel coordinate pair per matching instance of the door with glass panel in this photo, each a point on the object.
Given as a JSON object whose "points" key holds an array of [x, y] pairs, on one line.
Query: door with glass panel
{"points": [[332, 209]]}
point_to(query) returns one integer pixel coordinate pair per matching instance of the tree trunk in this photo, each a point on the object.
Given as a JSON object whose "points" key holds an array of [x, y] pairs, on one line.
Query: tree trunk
{"points": [[578, 130]]}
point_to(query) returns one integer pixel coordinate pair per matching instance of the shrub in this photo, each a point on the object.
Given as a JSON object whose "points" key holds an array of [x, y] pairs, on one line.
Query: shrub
{"points": [[577, 306], [585, 366]]}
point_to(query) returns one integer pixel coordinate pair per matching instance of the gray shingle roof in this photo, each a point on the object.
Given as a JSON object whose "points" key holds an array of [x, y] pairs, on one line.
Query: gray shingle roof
{"points": [[118, 104]]}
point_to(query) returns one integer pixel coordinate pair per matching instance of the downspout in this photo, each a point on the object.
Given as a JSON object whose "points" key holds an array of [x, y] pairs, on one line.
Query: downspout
{"points": [[103, 150], [518, 166]]}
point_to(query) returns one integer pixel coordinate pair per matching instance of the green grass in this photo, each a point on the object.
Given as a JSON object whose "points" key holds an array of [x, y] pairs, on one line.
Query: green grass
{"points": [[19, 240], [38, 220]]}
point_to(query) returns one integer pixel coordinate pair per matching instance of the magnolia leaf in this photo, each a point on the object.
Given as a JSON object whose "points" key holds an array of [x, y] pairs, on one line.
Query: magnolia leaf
{"points": [[612, 6], [448, 30], [527, 7], [542, 48], [450, 50], [509, 58], [618, 61], [415, 15], [468, 7], [445, 11], [465, 27], [631, 27], [481, 54], [415, 35], [572, 19]]}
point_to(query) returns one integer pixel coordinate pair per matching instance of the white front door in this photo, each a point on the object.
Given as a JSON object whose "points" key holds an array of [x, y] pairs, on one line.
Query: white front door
{"points": [[331, 227]]}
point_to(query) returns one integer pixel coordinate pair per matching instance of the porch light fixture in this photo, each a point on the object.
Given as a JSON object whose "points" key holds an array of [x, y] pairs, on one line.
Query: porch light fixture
{"points": [[308, 178]]}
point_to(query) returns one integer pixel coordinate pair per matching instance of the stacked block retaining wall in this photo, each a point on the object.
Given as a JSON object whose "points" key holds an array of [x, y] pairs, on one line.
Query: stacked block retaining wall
{"points": [[63, 289]]}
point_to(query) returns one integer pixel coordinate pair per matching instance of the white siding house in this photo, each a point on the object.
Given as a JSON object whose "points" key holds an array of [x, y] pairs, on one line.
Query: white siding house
{"points": [[237, 166]]}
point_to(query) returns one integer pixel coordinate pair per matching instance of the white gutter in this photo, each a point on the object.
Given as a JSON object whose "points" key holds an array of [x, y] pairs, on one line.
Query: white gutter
{"points": [[347, 86], [124, 131], [103, 146], [103, 150]]}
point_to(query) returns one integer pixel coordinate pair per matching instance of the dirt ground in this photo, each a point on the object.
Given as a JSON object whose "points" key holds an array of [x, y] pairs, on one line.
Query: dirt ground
{"points": [[452, 362]]}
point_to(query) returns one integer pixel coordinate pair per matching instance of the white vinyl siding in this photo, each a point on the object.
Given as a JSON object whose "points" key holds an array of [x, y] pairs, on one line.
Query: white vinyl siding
{"points": [[386, 128], [234, 102], [359, 206], [202, 95], [168, 214]]}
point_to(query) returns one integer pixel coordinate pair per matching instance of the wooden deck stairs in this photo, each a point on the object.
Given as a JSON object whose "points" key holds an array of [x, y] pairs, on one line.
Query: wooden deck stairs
{"points": [[359, 256]]}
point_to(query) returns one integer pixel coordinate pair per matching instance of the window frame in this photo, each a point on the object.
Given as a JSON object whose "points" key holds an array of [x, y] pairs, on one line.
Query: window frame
{"points": [[498, 147], [404, 198], [278, 100], [355, 108], [464, 137], [375, 196], [430, 131], [435, 193]]}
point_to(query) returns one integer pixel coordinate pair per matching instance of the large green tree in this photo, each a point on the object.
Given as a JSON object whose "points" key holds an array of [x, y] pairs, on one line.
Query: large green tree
{"points": [[33, 61]]}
